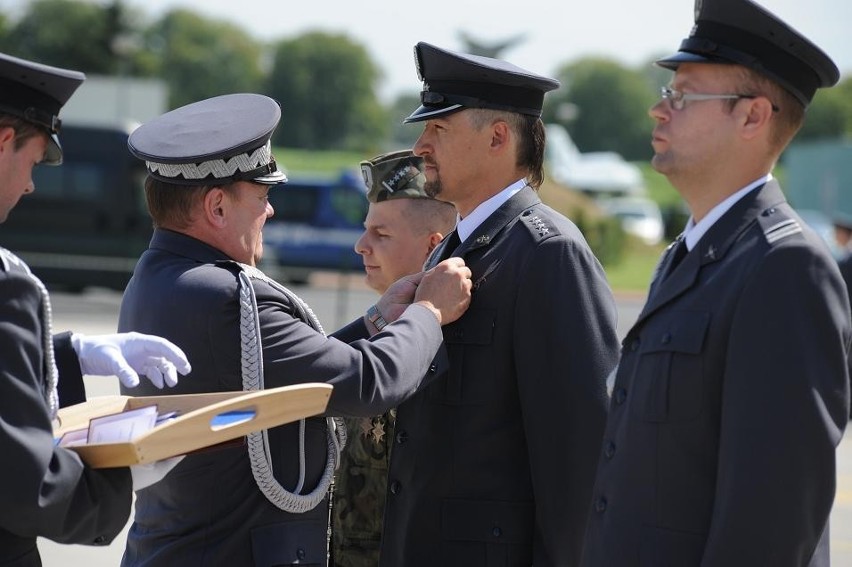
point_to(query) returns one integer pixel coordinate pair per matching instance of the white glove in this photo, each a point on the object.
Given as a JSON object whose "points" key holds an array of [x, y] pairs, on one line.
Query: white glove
{"points": [[151, 473], [127, 355]]}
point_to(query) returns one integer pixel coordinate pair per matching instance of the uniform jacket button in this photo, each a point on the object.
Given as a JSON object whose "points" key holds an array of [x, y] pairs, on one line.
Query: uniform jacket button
{"points": [[600, 505], [620, 396], [609, 450], [401, 437], [433, 368], [300, 553], [100, 540], [634, 345], [667, 338], [395, 487], [497, 532]]}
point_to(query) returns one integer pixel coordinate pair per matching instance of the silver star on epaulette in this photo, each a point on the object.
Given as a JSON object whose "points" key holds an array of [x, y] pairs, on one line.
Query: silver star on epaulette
{"points": [[711, 253], [539, 225], [483, 239]]}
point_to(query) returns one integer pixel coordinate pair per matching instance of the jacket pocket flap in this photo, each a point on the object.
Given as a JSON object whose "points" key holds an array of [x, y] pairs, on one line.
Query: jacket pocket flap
{"points": [[684, 333]]}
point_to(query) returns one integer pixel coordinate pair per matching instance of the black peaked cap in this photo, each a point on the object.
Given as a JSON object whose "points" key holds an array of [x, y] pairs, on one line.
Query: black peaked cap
{"points": [[453, 81], [745, 33]]}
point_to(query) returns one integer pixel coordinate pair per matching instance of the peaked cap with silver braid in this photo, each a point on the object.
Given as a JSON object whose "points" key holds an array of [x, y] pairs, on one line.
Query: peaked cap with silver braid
{"points": [[215, 141], [252, 371]]}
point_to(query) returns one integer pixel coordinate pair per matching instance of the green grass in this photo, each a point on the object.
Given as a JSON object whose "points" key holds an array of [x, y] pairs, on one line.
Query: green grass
{"points": [[313, 162], [633, 272]]}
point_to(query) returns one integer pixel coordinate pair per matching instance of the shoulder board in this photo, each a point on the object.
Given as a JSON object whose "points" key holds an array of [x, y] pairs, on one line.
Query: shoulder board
{"points": [[9, 261], [778, 224], [231, 265], [538, 224]]}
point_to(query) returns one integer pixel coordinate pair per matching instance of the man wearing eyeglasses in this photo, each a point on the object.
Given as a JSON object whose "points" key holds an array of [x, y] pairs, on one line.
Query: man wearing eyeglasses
{"points": [[732, 391]]}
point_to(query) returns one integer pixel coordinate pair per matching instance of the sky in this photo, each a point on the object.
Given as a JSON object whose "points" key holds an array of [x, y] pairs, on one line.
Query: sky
{"points": [[554, 31]]}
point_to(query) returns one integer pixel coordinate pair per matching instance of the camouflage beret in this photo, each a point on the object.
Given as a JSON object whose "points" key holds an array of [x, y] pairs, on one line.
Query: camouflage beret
{"points": [[395, 175]]}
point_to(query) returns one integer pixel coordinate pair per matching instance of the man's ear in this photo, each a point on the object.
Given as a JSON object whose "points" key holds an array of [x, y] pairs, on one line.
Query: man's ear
{"points": [[434, 239], [757, 116], [214, 207], [500, 134], [7, 138]]}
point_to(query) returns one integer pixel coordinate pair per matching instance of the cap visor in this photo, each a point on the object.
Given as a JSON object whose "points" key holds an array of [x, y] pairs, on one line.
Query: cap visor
{"points": [[429, 112], [271, 179], [53, 152], [672, 61]]}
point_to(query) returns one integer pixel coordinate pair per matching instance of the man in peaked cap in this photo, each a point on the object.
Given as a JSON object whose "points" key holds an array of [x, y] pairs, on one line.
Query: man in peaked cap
{"points": [[732, 391], [402, 227], [264, 504], [45, 489], [842, 223], [495, 463]]}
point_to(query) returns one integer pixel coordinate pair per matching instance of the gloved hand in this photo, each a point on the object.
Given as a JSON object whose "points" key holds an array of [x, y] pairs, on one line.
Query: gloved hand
{"points": [[151, 473], [127, 355]]}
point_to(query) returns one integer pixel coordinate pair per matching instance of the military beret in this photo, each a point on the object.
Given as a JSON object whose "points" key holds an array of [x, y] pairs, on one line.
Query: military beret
{"points": [[36, 93], [395, 175], [745, 33], [214, 141], [453, 81]]}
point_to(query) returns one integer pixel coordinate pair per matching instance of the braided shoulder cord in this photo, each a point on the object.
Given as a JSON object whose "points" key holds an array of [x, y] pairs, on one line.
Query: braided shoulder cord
{"points": [[252, 372], [51, 394]]}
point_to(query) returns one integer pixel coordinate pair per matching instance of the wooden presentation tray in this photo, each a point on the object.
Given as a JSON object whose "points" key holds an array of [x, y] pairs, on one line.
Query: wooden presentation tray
{"points": [[192, 429]]}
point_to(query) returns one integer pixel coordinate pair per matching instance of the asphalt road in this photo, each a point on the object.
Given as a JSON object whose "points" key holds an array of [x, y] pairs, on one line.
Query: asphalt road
{"points": [[336, 300]]}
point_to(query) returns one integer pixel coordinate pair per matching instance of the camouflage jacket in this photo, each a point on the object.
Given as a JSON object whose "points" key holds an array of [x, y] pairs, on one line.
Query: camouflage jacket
{"points": [[359, 491]]}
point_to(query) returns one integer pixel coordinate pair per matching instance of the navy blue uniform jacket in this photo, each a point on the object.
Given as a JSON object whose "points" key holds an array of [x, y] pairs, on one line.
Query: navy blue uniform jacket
{"points": [[208, 510], [728, 404], [44, 490], [494, 463]]}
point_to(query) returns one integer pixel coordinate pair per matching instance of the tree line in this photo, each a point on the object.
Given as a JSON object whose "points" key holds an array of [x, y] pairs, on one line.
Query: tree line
{"points": [[328, 83]]}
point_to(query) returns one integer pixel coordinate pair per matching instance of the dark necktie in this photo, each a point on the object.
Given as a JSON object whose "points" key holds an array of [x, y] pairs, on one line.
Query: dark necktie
{"points": [[678, 254], [453, 242]]}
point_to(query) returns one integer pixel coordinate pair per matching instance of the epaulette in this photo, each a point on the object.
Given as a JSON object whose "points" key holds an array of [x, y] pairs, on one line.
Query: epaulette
{"points": [[9, 260], [778, 224], [539, 226]]}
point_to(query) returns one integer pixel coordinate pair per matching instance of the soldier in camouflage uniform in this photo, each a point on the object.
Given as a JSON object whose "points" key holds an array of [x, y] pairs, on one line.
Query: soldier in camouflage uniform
{"points": [[402, 227]]}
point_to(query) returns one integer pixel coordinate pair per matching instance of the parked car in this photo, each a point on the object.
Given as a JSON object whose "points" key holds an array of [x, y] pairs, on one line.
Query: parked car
{"points": [[316, 223], [639, 216]]}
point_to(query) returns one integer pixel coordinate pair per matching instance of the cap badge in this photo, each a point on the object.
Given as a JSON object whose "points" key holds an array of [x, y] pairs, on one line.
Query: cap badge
{"points": [[367, 172]]}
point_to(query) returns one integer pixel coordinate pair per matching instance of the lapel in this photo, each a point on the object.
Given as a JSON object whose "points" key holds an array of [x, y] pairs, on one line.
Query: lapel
{"points": [[488, 230], [712, 248]]}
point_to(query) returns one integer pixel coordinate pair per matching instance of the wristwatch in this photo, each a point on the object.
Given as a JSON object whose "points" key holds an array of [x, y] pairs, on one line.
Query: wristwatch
{"points": [[376, 318]]}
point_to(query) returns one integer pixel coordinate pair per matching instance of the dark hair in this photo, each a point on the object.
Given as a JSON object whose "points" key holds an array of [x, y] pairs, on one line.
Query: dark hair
{"points": [[171, 204], [529, 131], [24, 130]]}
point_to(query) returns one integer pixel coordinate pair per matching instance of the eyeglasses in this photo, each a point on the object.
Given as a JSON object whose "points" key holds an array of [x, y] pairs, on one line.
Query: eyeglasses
{"points": [[678, 99]]}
